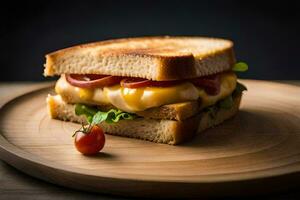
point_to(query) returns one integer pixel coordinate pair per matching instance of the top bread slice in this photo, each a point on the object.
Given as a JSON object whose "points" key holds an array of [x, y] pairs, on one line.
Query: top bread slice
{"points": [[153, 58]]}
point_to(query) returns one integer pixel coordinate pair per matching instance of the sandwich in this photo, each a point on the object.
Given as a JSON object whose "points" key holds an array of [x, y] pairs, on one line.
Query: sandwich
{"points": [[161, 89]]}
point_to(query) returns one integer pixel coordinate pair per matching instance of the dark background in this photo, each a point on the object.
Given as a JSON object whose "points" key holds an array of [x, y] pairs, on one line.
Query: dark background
{"points": [[266, 33]]}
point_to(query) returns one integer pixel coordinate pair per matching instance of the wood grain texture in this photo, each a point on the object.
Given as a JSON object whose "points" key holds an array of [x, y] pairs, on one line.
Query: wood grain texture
{"points": [[241, 155]]}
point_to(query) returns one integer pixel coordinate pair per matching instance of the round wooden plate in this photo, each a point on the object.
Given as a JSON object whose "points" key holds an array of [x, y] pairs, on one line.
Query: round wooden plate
{"points": [[257, 151]]}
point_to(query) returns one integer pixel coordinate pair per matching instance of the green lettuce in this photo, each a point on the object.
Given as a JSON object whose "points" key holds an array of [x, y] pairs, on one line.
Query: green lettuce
{"points": [[89, 112], [94, 116], [240, 67], [240, 88], [226, 103]]}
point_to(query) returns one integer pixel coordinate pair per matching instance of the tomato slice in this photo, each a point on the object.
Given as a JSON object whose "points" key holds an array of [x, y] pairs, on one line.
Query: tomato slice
{"points": [[141, 82], [211, 84], [134, 82], [92, 80]]}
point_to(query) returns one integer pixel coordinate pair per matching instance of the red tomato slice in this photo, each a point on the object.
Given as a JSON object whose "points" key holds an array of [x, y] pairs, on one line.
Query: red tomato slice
{"points": [[140, 82], [92, 80], [211, 84]]}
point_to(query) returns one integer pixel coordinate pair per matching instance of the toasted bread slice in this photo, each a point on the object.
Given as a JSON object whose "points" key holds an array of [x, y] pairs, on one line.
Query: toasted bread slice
{"points": [[154, 58], [176, 111], [160, 131]]}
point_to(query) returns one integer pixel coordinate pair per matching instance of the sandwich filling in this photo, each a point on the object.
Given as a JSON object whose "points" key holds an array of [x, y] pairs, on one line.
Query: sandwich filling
{"points": [[135, 98]]}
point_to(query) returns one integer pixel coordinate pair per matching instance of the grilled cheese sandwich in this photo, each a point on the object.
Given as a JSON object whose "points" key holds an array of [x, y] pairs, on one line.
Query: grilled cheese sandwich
{"points": [[203, 82]]}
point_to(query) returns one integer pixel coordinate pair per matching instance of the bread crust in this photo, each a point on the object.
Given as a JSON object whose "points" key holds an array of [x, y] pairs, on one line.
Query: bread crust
{"points": [[176, 111], [156, 58], [160, 131]]}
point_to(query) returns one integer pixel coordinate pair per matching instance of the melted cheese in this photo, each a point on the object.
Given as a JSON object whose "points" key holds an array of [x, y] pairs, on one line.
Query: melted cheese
{"points": [[139, 99], [228, 84]]}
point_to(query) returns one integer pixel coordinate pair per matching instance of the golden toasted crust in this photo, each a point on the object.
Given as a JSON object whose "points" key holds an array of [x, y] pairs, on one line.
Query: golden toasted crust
{"points": [[155, 58], [176, 111], [160, 131]]}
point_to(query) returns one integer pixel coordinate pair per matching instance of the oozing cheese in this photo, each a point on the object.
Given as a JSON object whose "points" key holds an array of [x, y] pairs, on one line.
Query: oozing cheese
{"points": [[133, 100], [228, 84]]}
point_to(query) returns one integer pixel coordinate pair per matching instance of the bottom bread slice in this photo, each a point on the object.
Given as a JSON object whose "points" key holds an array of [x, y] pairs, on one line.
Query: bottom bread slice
{"points": [[160, 131]]}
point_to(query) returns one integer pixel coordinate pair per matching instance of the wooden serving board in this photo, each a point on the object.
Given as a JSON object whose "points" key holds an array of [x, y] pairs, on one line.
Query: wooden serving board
{"points": [[255, 152]]}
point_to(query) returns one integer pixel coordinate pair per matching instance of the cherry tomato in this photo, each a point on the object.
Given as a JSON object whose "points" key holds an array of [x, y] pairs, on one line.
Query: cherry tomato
{"points": [[92, 80], [91, 142], [141, 82]]}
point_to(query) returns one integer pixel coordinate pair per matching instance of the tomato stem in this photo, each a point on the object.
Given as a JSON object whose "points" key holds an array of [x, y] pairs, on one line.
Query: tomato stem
{"points": [[83, 129]]}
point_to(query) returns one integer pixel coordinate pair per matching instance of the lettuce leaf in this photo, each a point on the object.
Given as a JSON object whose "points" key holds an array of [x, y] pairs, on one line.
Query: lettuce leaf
{"points": [[226, 103], [89, 112], [112, 116], [95, 116], [239, 89], [240, 67]]}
